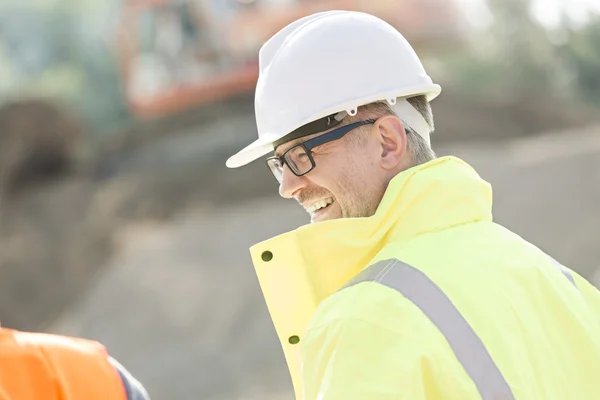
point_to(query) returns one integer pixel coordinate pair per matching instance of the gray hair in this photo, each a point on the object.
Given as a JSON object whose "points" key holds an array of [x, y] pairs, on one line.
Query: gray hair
{"points": [[418, 148]]}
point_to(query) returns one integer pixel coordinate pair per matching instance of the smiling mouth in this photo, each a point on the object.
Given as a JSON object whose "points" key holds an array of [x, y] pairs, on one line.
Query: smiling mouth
{"points": [[319, 206]]}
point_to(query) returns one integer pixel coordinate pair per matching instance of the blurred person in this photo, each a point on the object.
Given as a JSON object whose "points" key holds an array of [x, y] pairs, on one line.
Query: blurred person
{"points": [[37, 143], [42, 366], [403, 286]]}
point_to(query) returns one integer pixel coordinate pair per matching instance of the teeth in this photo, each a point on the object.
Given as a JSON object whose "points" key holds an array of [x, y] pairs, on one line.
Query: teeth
{"points": [[318, 205]]}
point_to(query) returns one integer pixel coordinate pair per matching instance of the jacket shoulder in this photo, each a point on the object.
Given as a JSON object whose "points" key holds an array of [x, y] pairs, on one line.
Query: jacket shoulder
{"points": [[80, 367], [371, 302]]}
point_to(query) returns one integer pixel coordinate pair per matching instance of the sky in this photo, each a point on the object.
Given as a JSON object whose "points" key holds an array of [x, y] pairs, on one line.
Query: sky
{"points": [[546, 11]]}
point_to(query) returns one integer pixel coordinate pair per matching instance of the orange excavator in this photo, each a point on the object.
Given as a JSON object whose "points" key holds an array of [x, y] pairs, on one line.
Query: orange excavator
{"points": [[174, 54]]}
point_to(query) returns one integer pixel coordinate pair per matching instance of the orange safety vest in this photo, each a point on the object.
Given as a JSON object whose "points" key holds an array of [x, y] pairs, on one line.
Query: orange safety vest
{"points": [[35, 366]]}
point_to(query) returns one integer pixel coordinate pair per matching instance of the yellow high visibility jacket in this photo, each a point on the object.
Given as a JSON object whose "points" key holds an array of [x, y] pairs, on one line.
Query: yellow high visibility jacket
{"points": [[429, 299]]}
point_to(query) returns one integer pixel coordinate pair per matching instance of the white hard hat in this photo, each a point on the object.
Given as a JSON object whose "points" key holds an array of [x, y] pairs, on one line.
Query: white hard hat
{"points": [[327, 63]]}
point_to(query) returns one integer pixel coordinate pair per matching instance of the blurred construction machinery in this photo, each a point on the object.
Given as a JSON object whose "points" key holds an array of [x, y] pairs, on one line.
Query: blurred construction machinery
{"points": [[175, 54]]}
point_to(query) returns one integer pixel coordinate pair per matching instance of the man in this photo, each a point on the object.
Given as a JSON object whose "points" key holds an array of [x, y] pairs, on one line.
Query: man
{"points": [[403, 287], [40, 366]]}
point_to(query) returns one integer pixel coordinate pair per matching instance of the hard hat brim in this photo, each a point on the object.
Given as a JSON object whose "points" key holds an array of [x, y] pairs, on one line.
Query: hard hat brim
{"points": [[252, 152]]}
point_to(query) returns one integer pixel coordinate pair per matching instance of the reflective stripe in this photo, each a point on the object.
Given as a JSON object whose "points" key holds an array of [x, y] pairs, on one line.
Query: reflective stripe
{"points": [[466, 345], [566, 273], [133, 388]]}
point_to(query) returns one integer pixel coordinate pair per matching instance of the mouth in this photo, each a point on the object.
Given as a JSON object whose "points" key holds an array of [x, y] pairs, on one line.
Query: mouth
{"points": [[319, 208]]}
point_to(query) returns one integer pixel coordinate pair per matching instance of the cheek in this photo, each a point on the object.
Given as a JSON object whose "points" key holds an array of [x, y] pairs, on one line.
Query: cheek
{"points": [[351, 184], [348, 179], [359, 186]]}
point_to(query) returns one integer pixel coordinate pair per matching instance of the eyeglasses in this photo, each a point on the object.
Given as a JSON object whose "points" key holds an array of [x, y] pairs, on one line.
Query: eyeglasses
{"points": [[299, 158]]}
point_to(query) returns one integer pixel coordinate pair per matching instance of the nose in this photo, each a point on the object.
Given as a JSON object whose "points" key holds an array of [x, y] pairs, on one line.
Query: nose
{"points": [[290, 183]]}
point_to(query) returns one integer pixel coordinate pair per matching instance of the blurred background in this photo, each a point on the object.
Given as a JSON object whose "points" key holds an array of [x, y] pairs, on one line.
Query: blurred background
{"points": [[119, 221]]}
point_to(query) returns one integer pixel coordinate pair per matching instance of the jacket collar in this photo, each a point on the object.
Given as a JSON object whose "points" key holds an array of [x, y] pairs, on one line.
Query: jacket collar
{"points": [[430, 197]]}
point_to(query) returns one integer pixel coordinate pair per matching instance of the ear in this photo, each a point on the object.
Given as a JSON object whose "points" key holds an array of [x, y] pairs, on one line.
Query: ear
{"points": [[392, 139]]}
